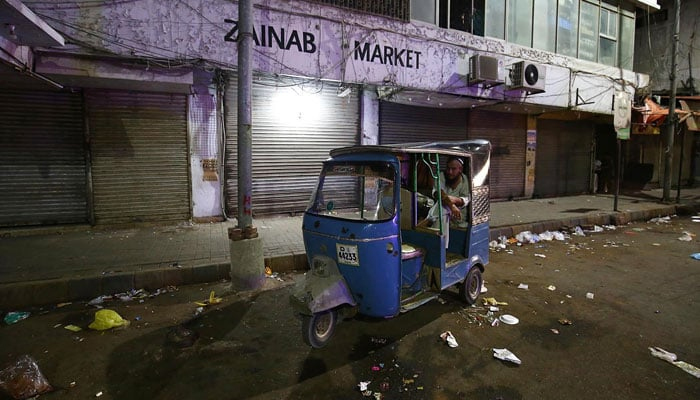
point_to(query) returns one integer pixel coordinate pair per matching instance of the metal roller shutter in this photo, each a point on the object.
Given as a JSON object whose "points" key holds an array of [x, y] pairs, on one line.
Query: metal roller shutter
{"points": [[400, 123], [42, 159], [507, 133], [287, 154], [563, 162], [139, 156]]}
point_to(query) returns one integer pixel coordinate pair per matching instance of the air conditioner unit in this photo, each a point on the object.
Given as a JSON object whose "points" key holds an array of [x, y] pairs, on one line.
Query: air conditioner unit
{"points": [[528, 77], [484, 69]]}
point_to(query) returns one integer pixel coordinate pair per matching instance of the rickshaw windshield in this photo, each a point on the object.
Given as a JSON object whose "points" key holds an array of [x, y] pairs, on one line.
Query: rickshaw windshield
{"points": [[356, 191]]}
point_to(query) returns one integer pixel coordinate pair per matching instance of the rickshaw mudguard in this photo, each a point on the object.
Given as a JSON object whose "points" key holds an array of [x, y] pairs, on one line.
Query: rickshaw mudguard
{"points": [[315, 294]]}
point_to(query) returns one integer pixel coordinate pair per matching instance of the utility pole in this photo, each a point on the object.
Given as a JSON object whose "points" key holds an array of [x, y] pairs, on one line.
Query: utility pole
{"points": [[245, 119], [671, 119], [245, 246]]}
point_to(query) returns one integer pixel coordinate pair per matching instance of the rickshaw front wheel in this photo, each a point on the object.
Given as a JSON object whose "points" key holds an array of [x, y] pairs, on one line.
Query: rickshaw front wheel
{"points": [[318, 328], [471, 287]]}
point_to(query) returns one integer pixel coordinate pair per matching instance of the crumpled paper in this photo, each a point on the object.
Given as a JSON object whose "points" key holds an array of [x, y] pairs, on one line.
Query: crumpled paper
{"points": [[448, 338], [506, 355]]}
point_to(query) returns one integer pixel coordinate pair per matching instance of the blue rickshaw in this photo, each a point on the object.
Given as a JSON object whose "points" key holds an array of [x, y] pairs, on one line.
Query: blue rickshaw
{"points": [[367, 243]]}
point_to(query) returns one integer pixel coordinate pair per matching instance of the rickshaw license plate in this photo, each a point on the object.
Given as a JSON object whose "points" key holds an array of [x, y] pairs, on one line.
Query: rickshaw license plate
{"points": [[347, 254]]}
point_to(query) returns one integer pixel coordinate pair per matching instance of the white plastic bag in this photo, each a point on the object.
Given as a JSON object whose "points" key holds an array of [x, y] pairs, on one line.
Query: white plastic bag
{"points": [[506, 355]]}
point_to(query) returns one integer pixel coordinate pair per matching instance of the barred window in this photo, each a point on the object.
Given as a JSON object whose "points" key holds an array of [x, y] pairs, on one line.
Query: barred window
{"points": [[397, 9]]}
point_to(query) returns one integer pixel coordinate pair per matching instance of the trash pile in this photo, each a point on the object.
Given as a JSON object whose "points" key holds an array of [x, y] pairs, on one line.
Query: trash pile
{"points": [[134, 294], [527, 237], [660, 220], [490, 313], [272, 275], [389, 377]]}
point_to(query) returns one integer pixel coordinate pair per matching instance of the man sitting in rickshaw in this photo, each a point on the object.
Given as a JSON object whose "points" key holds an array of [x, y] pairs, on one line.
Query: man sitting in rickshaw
{"points": [[456, 185], [454, 196]]}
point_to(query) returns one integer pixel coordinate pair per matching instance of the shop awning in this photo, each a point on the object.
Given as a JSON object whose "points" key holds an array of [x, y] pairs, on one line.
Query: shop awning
{"points": [[648, 118]]}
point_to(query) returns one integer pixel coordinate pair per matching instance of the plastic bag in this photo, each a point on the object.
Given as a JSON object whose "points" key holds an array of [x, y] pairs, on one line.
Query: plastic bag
{"points": [[527, 237], [23, 379], [15, 316], [107, 319], [506, 355], [667, 356], [448, 338]]}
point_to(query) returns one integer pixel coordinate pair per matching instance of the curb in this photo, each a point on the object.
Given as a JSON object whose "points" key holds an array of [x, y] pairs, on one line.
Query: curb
{"points": [[613, 218], [52, 291], [48, 291]]}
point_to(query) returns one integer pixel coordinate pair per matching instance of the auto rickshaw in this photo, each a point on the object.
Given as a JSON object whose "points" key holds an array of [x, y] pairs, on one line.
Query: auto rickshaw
{"points": [[367, 243]]}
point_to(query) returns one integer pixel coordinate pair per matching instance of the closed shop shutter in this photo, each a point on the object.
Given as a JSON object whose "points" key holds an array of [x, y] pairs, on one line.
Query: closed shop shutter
{"points": [[507, 133], [290, 140], [139, 156], [42, 159], [563, 160], [400, 123]]}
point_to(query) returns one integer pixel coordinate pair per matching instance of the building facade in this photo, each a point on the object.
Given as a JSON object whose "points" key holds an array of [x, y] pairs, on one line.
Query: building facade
{"points": [[655, 31], [122, 112]]}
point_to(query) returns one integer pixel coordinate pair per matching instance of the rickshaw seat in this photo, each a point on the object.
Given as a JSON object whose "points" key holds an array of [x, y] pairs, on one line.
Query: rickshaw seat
{"points": [[409, 251]]}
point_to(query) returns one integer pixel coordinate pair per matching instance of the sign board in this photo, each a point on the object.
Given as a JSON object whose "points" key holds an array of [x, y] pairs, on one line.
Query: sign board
{"points": [[623, 114]]}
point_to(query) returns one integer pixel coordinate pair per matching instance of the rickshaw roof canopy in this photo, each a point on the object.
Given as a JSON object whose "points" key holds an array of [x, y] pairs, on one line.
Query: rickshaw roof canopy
{"points": [[463, 148], [478, 150]]}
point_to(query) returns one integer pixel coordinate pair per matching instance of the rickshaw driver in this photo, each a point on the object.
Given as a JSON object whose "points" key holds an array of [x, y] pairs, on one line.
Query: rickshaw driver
{"points": [[454, 198], [456, 185]]}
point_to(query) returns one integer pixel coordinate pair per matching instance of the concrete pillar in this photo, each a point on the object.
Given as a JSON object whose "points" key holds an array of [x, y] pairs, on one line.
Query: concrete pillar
{"points": [[247, 261]]}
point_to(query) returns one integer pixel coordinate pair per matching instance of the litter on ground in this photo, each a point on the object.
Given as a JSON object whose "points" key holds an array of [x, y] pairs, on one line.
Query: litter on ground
{"points": [[506, 355], [671, 358]]}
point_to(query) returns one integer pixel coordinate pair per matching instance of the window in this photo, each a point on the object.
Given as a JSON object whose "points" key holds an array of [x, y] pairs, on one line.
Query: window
{"points": [[608, 37], [340, 184], [398, 9], [544, 37], [608, 23], [626, 44], [463, 15], [519, 22], [608, 48], [495, 19], [588, 32], [423, 11], [567, 27], [478, 17], [600, 31]]}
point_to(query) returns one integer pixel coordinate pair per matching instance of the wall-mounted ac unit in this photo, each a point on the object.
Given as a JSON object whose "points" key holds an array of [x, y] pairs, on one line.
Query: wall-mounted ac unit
{"points": [[528, 77], [484, 69]]}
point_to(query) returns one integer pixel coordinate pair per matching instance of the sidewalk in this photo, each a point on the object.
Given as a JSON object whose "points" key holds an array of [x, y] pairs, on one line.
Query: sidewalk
{"points": [[66, 263]]}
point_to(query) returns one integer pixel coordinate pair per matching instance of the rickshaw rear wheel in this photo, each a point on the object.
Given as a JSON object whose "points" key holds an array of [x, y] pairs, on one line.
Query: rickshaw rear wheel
{"points": [[470, 289], [318, 328]]}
